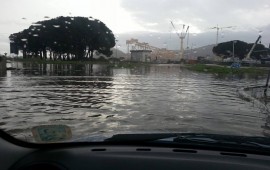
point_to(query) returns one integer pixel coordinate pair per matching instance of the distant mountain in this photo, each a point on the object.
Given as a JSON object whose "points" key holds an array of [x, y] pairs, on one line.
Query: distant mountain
{"points": [[204, 51], [116, 54], [172, 42]]}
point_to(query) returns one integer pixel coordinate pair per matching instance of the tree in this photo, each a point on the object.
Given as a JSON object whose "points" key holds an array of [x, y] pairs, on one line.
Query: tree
{"points": [[241, 49], [64, 38], [226, 49]]}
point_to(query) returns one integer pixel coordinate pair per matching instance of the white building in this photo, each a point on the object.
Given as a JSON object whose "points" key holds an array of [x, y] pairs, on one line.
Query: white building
{"points": [[141, 55]]}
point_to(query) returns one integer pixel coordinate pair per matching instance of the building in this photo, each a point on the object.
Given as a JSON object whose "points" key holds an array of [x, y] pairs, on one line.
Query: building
{"points": [[141, 55]]}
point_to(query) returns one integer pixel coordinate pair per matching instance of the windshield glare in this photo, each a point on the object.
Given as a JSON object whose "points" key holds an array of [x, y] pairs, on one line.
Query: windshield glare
{"points": [[87, 70]]}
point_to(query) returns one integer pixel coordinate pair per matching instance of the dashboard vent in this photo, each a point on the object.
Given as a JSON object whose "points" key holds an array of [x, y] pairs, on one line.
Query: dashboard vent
{"points": [[98, 150], [143, 149]]}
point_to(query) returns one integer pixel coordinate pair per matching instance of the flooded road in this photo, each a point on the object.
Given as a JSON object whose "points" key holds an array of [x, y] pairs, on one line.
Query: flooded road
{"points": [[96, 99]]}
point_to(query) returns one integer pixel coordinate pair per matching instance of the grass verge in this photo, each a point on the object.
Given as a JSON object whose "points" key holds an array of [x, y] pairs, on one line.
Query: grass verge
{"points": [[218, 69]]}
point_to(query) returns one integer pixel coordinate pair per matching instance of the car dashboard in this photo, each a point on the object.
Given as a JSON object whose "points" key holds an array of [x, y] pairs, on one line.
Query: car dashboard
{"points": [[103, 157]]}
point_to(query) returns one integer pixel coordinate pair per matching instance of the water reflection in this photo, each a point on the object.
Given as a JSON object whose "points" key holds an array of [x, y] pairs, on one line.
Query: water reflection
{"points": [[2, 67], [94, 99], [260, 99], [240, 76], [3, 73], [266, 126], [140, 71], [34, 69]]}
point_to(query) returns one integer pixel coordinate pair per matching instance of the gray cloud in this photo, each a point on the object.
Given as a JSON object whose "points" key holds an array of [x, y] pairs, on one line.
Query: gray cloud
{"points": [[249, 16], [200, 13]]}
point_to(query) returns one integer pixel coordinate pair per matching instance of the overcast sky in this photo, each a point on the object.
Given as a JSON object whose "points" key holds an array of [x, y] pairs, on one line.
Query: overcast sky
{"points": [[148, 17]]}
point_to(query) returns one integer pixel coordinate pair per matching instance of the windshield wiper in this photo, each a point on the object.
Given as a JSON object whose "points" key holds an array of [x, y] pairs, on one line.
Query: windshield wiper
{"points": [[223, 140], [195, 139], [140, 137]]}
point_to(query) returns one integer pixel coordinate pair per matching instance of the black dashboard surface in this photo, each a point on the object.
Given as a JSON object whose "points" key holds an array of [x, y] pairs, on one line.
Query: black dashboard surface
{"points": [[132, 157], [16, 155]]}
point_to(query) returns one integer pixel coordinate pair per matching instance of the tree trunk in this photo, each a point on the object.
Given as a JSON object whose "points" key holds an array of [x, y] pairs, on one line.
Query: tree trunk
{"points": [[54, 56], [36, 54], [88, 54], [24, 54], [92, 54], [40, 53], [50, 55], [44, 54]]}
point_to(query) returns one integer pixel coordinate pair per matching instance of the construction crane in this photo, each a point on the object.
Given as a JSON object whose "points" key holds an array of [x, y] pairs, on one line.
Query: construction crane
{"points": [[181, 36], [220, 28], [252, 48]]}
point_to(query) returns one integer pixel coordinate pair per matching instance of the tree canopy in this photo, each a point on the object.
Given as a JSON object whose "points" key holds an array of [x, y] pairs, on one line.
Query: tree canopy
{"points": [[64, 38], [241, 49]]}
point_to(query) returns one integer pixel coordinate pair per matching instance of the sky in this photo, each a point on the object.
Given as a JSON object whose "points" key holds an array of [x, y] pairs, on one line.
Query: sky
{"points": [[149, 20]]}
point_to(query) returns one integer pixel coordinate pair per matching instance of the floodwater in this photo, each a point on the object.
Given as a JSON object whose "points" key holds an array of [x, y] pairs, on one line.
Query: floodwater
{"points": [[96, 99]]}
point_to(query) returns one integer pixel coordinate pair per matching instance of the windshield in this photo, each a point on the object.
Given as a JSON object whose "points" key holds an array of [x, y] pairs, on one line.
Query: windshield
{"points": [[90, 69]]}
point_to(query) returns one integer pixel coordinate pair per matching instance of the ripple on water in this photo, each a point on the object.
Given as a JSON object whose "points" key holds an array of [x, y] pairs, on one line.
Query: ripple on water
{"points": [[160, 99]]}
